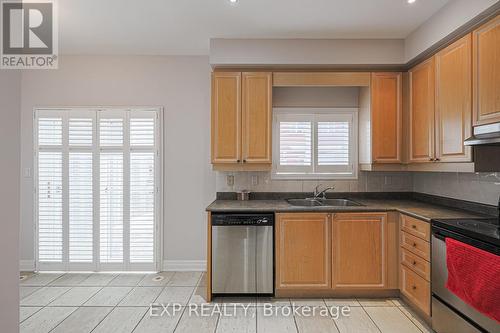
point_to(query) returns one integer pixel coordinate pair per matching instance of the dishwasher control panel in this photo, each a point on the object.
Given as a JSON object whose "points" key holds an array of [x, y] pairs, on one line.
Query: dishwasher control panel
{"points": [[242, 219]]}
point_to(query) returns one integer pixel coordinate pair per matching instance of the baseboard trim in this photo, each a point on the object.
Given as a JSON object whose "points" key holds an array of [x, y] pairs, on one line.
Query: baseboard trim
{"points": [[26, 265], [185, 265]]}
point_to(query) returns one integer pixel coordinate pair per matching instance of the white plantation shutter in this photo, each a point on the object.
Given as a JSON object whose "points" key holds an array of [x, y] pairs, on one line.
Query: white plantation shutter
{"points": [[142, 193], [111, 207], [295, 143], [50, 209], [333, 143], [97, 176], [80, 207], [111, 132], [142, 132], [80, 131], [315, 143], [50, 131]]}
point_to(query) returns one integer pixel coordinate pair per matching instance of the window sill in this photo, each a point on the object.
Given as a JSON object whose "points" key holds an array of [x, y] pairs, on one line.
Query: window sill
{"points": [[315, 176]]}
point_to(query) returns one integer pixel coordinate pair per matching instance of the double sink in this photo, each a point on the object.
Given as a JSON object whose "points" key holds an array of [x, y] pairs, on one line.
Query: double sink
{"points": [[319, 202]]}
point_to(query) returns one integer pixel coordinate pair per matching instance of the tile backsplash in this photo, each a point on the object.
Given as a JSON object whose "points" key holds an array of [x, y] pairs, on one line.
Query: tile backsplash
{"points": [[476, 187], [366, 182]]}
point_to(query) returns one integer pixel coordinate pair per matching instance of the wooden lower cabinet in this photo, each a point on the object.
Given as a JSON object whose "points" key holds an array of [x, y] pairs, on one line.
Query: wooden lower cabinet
{"points": [[416, 289], [415, 267], [416, 245], [359, 250], [322, 254], [303, 251]]}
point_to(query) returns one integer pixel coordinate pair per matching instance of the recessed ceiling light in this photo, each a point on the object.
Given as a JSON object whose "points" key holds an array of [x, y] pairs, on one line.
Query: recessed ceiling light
{"points": [[233, 2], [411, 1]]}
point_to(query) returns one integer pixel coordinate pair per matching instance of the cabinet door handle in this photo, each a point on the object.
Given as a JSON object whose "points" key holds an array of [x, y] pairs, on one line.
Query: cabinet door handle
{"points": [[237, 161], [414, 287], [437, 159], [414, 263], [244, 161], [414, 244], [414, 226]]}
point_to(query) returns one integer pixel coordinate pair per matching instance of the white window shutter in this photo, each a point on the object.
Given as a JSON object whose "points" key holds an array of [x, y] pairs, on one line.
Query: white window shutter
{"points": [[333, 143], [80, 131], [142, 131], [97, 188], [111, 132], [315, 143], [80, 207], [142, 204], [49, 131], [50, 207], [295, 143], [111, 207]]}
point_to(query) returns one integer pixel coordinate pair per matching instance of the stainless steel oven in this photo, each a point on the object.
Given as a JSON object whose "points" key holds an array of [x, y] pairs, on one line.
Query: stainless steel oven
{"points": [[449, 313], [242, 254]]}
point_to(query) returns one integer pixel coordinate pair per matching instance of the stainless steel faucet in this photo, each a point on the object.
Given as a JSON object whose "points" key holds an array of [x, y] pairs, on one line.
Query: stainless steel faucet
{"points": [[318, 193]]}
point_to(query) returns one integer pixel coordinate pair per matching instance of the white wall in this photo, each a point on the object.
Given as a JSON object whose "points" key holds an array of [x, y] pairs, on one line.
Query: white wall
{"points": [[306, 51], [338, 97], [182, 86], [476, 187], [453, 15], [10, 126]]}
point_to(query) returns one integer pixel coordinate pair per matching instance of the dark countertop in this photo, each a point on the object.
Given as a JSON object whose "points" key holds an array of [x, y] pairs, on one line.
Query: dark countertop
{"points": [[417, 209]]}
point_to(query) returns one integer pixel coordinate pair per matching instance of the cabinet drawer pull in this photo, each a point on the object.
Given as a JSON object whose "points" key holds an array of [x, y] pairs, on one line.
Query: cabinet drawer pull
{"points": [[414, 263], [414, 226]]}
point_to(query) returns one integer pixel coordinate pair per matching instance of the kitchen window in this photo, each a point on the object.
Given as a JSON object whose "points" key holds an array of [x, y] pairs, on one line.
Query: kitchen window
{"points": [[315, 143], [97, 188]]}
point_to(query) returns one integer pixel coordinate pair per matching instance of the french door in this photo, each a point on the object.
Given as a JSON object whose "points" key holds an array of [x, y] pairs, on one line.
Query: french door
{"points": [[97, 189]]}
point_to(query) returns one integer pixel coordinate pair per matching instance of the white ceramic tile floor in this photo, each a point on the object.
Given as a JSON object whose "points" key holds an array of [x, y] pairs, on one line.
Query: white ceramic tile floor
{"points": [[25, 291], [76, 296], [103, 302]]}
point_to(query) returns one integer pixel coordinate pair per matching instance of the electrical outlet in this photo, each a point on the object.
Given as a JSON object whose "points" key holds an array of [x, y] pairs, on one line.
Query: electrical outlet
{"points": [[255, 180], [387, 180], [230, 180]]}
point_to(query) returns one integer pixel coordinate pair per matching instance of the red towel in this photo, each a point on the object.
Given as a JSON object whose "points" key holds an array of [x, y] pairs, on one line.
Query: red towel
{"points": [[474, 276]]}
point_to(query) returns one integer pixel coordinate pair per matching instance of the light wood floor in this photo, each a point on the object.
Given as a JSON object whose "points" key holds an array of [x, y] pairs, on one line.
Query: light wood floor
{"points": [[106, 302]]}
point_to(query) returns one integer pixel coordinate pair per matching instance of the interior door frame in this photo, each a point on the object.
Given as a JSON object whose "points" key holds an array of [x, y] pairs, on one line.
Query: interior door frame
{"points": [[159, 188]]}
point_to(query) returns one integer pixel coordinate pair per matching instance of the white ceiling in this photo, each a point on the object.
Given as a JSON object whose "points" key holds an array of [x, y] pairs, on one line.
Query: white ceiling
{"points": [[185, 26]]}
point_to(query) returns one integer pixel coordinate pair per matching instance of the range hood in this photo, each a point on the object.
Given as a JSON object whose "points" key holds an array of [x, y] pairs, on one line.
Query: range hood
{"points": [[485, 135]]}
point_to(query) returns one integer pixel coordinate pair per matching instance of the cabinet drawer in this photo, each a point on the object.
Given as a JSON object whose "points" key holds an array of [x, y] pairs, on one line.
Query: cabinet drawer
{"points": [[416, 227], [416, 289], [416, 264], [416, 245]]}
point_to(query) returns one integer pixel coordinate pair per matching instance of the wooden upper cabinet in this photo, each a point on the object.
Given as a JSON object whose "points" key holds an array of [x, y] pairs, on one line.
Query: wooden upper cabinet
{"points": [[226, 117], [453, 101], [303, 251], [421, 143], [359, 249], [257, 117], [486, 72], [242, 120], [386, 115]]}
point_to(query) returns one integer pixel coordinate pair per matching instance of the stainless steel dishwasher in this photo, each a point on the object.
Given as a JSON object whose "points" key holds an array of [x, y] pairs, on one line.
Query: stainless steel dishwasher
{"points": [[242, 254]]}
